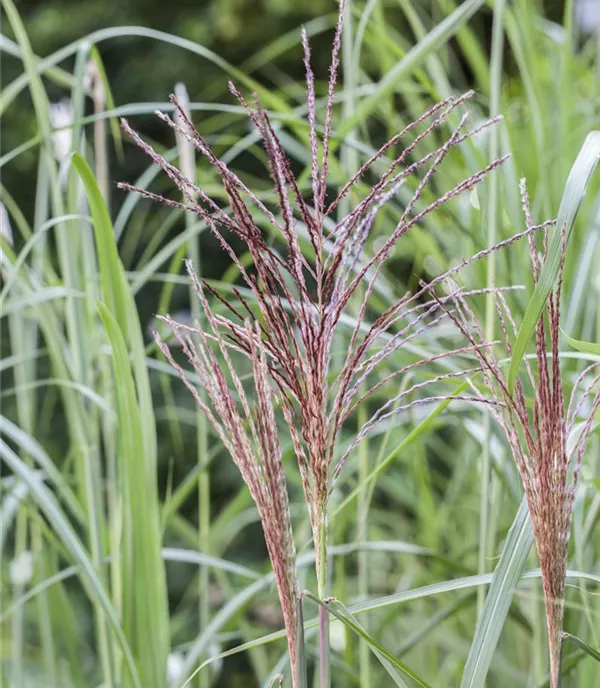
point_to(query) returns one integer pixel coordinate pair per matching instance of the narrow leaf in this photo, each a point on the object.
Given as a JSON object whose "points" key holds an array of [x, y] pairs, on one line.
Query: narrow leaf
{"points": [[142, 556], [388, 661], [585, 347], [415, 433], [111, 274], [583, 646], [301, 675], [575, 189], [495, 610], [110, 104]]}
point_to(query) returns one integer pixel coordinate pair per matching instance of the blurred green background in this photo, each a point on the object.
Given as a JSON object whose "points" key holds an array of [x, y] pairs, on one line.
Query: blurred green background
{"points": [[142, 70]]}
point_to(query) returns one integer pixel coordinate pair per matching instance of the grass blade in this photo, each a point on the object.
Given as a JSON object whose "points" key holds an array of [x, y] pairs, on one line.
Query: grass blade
{"points": [[301, 674], [575, 189], [114, 286], [137, 444], [168, 554], [584, 347], [495, 610], [120, 302], [110, 104], [581, 645], [388, 661], [414, 434], [142, 556]]}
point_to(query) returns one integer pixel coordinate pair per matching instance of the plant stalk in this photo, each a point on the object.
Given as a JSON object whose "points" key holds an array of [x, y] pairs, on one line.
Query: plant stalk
{"points": [[497, 50], [324, 669], [363, 557]]}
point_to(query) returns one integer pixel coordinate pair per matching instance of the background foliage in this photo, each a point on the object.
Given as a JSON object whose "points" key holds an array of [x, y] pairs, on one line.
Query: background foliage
{"points": [[439, 511]]}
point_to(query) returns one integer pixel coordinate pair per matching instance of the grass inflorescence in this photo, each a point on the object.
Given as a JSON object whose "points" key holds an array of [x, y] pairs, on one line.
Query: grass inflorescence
{"points": [[368, 222]]}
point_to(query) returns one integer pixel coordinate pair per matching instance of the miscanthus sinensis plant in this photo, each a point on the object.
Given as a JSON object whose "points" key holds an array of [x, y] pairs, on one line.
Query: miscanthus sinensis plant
{"points": [[294, 304], [546, 429]]}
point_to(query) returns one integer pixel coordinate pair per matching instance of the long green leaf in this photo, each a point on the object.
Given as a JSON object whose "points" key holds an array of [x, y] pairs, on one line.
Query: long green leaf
{"points": [[44, 295], [495, 610], [301, 674], [451, 585], [12, 90], [136, 435], [414, 434], [575, 189], [142, 555], [114, 286]]}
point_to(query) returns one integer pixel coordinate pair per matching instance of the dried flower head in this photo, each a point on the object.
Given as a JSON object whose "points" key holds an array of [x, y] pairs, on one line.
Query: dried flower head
{"points": [[249, 433], [546, 435], [296, 294]]}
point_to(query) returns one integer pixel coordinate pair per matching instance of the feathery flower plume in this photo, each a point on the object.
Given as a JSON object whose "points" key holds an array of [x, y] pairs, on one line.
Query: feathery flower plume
{"points": [[249, 433], [296, 299], [547, 437]]}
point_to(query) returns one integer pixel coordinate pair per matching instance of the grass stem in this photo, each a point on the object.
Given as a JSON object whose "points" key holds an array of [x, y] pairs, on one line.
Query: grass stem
{"points": [[496, 62], [324, 651]]}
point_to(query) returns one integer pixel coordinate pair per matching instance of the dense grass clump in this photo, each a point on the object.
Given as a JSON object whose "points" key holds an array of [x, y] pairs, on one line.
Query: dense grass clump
{"points": [[328, 287]]}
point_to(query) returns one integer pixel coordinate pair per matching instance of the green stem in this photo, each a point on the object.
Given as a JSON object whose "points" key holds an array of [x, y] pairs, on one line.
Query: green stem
{"points": [[100, 156], [204, 522], [490, 310], [17, 622], [363, 560], [351, 56], [44, 613], [324, 669], [188, 167]]}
